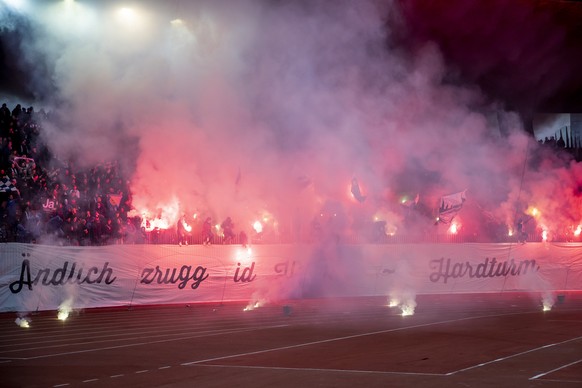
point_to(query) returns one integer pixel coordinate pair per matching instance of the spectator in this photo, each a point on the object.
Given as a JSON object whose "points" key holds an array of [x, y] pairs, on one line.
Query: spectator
{"points": [[207, 235], [182, 231], [228, 230]]}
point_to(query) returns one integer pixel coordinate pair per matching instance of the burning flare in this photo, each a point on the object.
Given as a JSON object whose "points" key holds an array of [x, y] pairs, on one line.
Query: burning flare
{"points": [[253, 305], [244, 255], [547, 301], [257, 226], [23, 322], [406, 306], [65, 309]]}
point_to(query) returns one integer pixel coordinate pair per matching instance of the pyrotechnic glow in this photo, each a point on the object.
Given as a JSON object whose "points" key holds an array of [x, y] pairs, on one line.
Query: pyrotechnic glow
{"points": [[578, 230], [407, 306], [257, 226], [407, 309], [187, 227], [544, 235], [62, 315], [165, 216], [547, 301], [454, 228], [533, 211], [244, 255], [65, 309], [253, 305], [150, 224], [393, 302], [23, 322]]}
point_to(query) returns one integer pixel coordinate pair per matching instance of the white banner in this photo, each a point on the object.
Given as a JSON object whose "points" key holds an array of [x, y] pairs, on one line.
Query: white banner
{"points": [[37, 277]]}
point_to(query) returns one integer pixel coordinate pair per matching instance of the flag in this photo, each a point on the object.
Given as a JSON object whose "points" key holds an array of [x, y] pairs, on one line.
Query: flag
{"points": [[450, 206], [238, 178], [6, 186], [356, 191], [115, 199]]}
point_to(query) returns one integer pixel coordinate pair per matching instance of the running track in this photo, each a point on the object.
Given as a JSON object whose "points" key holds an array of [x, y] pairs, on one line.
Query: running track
{"points": [[485, 340]]}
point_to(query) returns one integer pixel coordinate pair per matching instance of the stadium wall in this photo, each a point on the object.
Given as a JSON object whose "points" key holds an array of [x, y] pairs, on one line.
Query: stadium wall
{"points": [[38, 277]]}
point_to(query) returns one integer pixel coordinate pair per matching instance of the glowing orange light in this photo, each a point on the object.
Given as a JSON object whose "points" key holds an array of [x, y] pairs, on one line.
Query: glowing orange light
{"points": [[165, 216], [150, 224], [244, 255], [251, 306], [257, 226], [534, 211]]}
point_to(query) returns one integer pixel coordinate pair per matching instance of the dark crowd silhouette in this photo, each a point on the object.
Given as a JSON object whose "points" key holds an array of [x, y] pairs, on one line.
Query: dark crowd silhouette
{"points": [[44, 199]]}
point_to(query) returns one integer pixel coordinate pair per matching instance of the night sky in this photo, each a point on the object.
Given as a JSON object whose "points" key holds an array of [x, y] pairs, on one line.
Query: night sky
{"points": [[527, 54]]}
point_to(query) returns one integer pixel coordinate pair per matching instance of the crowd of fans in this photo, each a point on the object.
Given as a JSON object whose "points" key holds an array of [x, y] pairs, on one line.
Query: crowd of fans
{"points": [[47, 200], [43, 198]]}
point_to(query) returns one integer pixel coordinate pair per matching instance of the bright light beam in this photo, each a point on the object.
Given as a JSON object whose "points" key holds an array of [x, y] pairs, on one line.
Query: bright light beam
{"points": [[18, 5], [127, 16]]}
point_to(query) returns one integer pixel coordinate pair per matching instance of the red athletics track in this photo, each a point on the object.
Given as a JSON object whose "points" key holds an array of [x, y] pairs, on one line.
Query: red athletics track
{"points": [[484, 340]]}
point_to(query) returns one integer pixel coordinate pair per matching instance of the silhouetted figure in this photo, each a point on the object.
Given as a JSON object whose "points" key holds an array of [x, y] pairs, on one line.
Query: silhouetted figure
{"points": [[521, 234], [243, 238], [207, 234], [182, 231], [228, 230]]}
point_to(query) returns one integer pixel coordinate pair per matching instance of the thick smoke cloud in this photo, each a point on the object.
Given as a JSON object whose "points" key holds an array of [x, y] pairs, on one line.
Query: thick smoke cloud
{"points": [[272, 107]]}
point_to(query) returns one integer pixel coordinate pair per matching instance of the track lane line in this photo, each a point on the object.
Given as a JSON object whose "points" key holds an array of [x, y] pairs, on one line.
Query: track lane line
{"points": [[320, 370], [555, 370], [146, 343], [513, 356], [342, 338]]}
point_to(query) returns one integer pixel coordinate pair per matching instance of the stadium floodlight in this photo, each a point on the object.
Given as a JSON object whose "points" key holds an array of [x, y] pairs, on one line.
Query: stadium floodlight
{"points": [[127, 15], [16, 4]]}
